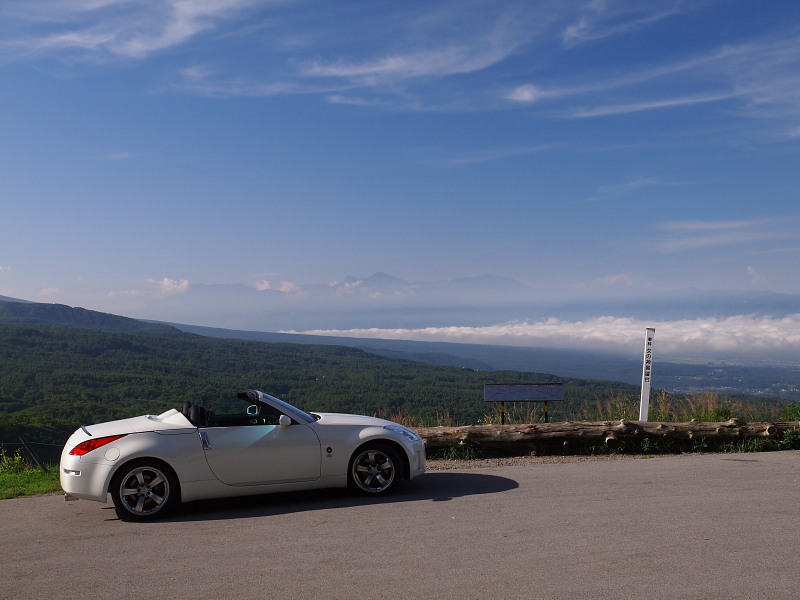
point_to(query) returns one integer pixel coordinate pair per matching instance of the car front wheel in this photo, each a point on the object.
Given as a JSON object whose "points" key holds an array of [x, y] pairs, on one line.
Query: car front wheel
{"points": [[374, 469], [143, 490]]}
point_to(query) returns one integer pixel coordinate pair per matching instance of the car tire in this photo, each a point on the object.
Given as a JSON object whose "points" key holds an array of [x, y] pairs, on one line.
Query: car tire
{"points": [[374, 469], [144, 489]]}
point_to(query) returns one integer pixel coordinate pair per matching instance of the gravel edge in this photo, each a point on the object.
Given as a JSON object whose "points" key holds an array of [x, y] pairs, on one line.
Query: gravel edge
{"points": [[517, 461]]}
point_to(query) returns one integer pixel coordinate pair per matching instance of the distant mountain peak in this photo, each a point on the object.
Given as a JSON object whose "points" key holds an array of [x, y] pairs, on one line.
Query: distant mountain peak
{"points": [[382, 279], [381, 276]]}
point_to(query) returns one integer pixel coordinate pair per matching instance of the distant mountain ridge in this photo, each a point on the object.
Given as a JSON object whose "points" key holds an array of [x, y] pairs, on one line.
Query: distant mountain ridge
{"points": [[385, 284], [60, 314], [8, 299]]}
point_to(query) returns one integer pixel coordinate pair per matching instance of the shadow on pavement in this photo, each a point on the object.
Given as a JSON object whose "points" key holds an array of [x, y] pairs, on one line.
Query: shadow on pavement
{"points": [[435, 487]]}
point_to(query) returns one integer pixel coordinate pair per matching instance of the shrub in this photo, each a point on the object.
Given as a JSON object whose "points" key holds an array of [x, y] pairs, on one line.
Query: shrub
{"points": [[791, 412], [12, 463], [457, 452], [790, 440]]}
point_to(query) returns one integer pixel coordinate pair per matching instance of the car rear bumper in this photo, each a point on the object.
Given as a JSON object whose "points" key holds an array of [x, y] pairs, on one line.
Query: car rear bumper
{"points": [[83, 480]]}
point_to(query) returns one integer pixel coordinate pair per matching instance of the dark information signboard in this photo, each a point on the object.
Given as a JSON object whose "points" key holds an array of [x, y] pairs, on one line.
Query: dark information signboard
{"points": [[523, 392]]}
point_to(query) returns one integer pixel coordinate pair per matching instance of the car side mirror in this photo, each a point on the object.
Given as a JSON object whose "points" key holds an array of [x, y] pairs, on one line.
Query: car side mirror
{"points": [[284, 420]]}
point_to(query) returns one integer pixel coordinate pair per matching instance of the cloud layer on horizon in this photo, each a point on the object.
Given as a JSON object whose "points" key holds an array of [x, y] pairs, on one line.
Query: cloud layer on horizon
{"points": [[707, 338]]}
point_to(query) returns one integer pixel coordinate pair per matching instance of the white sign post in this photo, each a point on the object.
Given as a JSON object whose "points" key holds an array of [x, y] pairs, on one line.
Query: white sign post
{"points": [[647, 369]]}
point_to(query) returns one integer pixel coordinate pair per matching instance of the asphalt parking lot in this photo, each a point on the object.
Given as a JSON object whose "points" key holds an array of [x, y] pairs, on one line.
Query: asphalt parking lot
{"points": [[698, 526]]}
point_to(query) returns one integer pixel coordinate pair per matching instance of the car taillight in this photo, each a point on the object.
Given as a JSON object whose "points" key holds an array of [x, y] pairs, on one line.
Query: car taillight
{"points": [[94, 444]]}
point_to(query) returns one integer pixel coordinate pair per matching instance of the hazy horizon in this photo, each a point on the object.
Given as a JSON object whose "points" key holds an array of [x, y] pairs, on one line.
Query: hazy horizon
{"points": [[691, 326]]}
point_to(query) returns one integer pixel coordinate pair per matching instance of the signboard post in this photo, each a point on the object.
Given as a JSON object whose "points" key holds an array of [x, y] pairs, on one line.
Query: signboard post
{"points": [[647, 370]]}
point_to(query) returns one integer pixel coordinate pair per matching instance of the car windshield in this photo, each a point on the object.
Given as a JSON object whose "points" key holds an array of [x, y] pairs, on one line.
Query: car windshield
{"points": [[286, 408]]}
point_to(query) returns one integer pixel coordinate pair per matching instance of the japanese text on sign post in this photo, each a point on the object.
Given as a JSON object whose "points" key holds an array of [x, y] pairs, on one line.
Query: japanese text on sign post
{"points": [[647, 370]]}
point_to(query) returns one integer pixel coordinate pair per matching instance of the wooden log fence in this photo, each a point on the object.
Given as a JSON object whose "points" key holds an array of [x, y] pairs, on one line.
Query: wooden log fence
{"points": [[609, 433]]}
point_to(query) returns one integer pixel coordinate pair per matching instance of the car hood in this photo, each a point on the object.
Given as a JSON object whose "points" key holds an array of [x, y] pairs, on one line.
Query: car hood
{"points": [[343, 419], [172, 419]]}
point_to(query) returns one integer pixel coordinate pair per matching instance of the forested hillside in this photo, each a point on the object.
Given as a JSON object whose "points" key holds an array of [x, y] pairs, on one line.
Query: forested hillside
{"points": [[68, 375]]}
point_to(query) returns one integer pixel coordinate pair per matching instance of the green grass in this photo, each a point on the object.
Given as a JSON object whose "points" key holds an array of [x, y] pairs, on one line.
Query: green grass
{"points": [[19, 478], [29, 482], [463, 452]]}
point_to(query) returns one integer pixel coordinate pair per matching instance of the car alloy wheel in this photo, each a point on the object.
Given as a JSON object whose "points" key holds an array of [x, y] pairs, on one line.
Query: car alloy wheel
{"points": [[143, 490], [374, 470]]}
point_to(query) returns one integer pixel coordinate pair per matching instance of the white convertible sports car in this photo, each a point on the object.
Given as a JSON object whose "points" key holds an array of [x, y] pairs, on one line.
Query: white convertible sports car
{"points": [[149, 464]]}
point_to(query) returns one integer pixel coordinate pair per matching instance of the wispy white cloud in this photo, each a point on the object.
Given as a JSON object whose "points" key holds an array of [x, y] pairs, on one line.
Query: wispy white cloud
{"points": [[602, 19], [287, 287], [306, 54], [757, 78], [124, 28], [694, 234], [155, 288], [434, 62], [629, 186], [169, 287], [619, 109], [347, 287], [353, 100], [402, 59], [754, 275], [709, 65], [525, 94], [126, 293], [400, 52], [730, 336], [696, 225], [492, 154]]}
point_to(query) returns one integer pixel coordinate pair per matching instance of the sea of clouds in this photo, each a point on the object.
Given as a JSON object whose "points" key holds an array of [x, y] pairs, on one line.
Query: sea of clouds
{"points": [[706, 338]]}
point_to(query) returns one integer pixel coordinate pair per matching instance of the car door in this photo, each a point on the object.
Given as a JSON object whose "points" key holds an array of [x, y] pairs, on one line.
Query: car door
{"points": [[256, 454]]}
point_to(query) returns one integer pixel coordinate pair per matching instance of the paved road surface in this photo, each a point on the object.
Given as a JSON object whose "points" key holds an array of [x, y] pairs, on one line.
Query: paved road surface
{"points": [[700, 526]]}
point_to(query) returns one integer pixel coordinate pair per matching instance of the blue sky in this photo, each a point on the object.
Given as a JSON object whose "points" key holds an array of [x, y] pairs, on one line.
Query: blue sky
{"points": [[584, 148]]}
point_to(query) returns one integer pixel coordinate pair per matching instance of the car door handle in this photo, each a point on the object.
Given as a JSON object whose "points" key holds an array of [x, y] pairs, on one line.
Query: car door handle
{"points": [[204, 440]]}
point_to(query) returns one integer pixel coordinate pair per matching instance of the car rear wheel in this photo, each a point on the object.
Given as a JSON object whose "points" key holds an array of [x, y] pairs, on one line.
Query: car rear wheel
{"points": [[374, 469], [143, 490]]}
